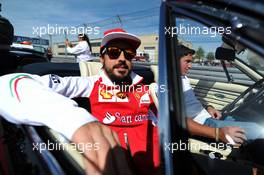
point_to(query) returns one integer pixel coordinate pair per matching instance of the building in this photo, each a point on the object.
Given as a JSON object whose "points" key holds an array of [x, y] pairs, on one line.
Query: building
{"points": [[149, 46]]}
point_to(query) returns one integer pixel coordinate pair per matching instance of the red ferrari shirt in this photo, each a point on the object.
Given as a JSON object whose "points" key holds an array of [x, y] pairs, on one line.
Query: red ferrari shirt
{"points": [[130, 114]]}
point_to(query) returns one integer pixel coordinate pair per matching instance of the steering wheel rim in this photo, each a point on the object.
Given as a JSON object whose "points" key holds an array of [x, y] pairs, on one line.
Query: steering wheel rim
{"points": [[229, 107]]}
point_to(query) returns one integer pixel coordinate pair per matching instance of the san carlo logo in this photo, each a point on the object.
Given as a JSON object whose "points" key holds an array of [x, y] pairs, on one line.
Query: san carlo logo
{"points": [[105, 94], [121, 95]]}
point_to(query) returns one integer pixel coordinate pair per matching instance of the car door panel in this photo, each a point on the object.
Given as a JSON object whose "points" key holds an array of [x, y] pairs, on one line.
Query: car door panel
{"points": [[217, 94]]}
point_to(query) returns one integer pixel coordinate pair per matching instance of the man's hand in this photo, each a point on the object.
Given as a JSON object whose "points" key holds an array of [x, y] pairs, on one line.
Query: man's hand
{"points": [[109, 157], [214, 112], [232, 134], [67, 43]]}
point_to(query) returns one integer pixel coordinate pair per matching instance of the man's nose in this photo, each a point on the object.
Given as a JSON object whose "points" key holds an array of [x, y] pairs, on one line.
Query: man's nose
{"points": [[122, 56]]}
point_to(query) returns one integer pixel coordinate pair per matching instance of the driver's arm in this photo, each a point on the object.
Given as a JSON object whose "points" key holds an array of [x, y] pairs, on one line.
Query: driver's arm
{"points": [[201, 130], [237, 134]]}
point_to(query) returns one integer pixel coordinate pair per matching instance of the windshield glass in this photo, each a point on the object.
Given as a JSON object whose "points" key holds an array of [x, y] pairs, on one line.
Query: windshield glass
{"points": [[205, 40], [253, 60]]}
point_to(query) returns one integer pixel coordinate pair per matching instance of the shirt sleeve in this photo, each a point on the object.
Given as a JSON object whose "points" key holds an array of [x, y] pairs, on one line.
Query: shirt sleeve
{"points": [[193, 106], [79, 48], [69, 86], [26, 100]]}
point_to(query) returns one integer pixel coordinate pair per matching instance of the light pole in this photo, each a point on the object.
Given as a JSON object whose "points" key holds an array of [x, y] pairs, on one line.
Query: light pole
{"points": [[120, 21], [50, 43], [66, 53]]}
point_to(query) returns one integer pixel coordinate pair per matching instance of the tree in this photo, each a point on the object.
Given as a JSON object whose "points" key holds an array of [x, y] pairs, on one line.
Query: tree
{"points": [[210, 56], [199, 55]]}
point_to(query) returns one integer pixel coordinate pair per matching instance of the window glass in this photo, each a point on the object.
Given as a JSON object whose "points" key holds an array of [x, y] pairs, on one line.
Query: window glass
{"points": [[207, 84], [252, 59], [205, 40]]}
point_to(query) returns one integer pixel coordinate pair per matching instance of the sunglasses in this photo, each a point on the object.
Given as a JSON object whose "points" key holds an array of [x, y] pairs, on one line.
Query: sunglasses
{"points": [[114, 52]]}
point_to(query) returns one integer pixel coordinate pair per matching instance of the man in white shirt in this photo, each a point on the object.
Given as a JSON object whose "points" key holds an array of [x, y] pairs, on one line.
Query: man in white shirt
{"points": [[208, 122]]}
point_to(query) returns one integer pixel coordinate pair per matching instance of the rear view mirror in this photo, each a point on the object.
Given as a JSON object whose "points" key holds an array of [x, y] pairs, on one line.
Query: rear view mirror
{"points": [[225, 54]]}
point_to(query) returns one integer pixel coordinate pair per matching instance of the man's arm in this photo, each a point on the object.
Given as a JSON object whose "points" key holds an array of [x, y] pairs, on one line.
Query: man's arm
{"points": [[69, 86], [108, 157], [200, 130], [25, 100], [237, 134], [79, 48]]}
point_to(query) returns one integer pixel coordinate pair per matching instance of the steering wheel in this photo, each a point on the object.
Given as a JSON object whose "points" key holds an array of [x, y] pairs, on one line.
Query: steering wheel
{"points": [[229, 107]]}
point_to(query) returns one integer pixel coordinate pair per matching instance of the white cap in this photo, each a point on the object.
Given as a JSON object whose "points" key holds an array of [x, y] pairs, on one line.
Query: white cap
{"points": [[120, 34]]}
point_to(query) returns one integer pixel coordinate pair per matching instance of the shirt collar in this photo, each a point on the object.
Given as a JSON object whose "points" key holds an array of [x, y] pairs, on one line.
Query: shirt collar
{"points": [[186, 83]]}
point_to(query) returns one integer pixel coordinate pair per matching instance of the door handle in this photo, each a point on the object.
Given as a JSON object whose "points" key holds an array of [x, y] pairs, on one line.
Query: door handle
{"points": [[219, 96]]}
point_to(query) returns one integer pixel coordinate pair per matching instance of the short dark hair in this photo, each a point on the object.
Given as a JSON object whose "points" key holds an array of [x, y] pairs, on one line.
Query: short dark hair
{"points": [[182, 51]]}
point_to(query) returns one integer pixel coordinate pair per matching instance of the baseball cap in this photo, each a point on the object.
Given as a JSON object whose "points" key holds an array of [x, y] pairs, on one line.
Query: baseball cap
{"points": [[120, 34], [183, 51]]}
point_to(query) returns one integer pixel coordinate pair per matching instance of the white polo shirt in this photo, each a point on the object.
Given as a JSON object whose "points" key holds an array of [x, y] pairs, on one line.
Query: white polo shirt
{"points": [[46, 100], [82, 51], [193, 106]]}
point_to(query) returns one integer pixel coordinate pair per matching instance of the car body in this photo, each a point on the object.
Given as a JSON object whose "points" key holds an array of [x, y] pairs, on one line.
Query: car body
{"points": [[13, 56]]}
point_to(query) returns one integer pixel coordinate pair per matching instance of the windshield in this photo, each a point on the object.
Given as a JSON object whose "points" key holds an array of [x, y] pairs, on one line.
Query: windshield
{"points": [[39, 49], [205, 40], [255, 61]]}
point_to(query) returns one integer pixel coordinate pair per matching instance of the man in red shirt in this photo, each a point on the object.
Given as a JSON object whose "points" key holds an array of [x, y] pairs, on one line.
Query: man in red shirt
{"points": [[118, 100], [124, 104]]}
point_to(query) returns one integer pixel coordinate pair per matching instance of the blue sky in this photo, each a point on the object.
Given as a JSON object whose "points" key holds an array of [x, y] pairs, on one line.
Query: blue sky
{"points": [[137, 16], [26, 14]]}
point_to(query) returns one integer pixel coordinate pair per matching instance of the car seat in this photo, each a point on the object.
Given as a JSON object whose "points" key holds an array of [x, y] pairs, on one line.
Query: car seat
{"points": [[89, 68]]}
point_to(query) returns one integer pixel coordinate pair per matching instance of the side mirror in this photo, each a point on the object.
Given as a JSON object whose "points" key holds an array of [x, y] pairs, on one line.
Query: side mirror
{"points": [[225, 54]]}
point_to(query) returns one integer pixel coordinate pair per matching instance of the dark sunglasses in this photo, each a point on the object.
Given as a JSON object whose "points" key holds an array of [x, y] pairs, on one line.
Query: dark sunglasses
{"points": [[114, 52]]}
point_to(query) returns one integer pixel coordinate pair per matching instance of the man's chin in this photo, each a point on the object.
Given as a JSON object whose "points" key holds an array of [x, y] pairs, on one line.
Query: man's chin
{"points": [[183, 73], [120, 73], [120, 77]]}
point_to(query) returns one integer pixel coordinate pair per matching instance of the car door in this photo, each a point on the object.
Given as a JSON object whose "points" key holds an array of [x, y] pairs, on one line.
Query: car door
{"points": [[178, 152]]}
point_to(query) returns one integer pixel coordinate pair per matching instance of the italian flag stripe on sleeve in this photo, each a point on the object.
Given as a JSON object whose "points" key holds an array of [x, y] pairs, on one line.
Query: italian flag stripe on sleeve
{"points": [[14, 82]]}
